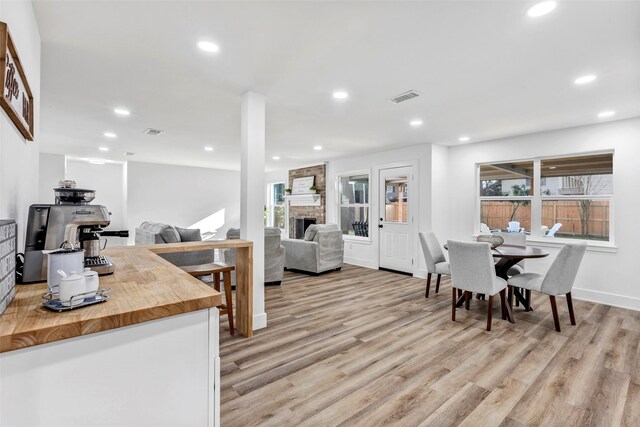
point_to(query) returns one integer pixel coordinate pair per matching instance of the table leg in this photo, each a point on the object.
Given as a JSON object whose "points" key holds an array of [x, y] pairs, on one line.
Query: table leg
{"points": [[244, 291]]}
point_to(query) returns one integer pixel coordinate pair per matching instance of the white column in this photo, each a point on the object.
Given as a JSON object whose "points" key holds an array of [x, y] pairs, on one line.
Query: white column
{"points": [[252, 194]]}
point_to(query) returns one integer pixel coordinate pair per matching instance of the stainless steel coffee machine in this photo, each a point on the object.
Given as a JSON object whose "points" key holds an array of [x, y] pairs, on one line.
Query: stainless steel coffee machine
{"points": [[71, 220]]}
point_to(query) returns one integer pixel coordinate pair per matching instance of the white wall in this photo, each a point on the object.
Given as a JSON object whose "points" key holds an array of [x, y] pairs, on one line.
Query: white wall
{"points": [[605, 276], [366, 253], [51, 171], [183, 196], [18, 157]]}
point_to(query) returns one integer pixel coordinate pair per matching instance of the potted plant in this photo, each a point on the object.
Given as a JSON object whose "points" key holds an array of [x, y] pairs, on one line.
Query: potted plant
{"points": [[313, 189], [287, 191]]}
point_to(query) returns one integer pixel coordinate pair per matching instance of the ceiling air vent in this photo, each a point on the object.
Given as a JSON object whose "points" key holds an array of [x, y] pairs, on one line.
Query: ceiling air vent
{"points": [[404, 96], [153, 132]]}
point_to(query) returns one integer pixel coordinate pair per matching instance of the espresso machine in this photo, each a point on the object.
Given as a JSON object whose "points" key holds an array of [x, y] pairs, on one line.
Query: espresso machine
{"points": [[72, 219]]}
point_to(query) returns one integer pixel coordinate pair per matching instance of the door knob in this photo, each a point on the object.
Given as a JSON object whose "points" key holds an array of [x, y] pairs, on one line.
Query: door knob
{"points": [[380, 225]]}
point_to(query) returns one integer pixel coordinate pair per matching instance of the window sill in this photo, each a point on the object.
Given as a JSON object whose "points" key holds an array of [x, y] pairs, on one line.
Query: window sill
{"points": [[556, 242]]}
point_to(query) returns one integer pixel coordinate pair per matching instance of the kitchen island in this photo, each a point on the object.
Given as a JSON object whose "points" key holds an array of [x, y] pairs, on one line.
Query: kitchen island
{"points": [[147, 357]]}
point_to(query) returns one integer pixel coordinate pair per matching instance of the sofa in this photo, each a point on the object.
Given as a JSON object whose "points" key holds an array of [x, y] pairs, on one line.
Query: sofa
{"points": [[321, 249], [153, 233], [274, 254]]}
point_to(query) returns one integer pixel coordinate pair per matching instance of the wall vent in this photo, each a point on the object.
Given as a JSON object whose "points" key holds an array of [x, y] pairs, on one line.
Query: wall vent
{"points": [[153, 132], [404, 96]]}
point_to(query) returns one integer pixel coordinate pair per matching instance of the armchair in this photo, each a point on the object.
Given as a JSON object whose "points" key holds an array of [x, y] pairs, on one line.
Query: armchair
{"points": [[273, 255], [322, 249]]}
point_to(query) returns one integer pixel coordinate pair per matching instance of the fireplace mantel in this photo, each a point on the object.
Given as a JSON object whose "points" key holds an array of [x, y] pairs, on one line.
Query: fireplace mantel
{"points": [[311, 199]]}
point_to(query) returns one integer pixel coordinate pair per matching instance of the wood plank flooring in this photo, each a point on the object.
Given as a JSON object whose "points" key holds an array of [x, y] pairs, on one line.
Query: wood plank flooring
{"points": [[363, 347]]}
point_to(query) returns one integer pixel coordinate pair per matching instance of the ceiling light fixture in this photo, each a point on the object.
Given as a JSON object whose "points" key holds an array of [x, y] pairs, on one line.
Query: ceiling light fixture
{"points": [[103, 148], [463, 139], [585, 79], [416, 123], [128, 153], [208, 46], [317, 147], [541, 9], [121, 111], [110, 134], [605, 114], [208, 148], [276, 157], [340, 94]]}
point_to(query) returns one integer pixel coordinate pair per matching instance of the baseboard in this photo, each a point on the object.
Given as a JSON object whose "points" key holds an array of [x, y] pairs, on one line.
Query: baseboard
{"points": [[361, 262], [606, 298], [259, 321]]}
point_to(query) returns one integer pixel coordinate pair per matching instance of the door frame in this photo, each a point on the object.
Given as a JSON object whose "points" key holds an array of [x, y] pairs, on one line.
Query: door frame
{"points": [[411, 205]]}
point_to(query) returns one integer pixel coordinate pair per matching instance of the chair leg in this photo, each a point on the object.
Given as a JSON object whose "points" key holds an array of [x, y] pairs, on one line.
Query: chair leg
{"points": [[216, 281], [453, 303], [570, 306], [554, 310], [229, 299], [489, 312], [426, 293], [438, 283], [517, 302], [467, 298], [503, 302], [528, 300]]}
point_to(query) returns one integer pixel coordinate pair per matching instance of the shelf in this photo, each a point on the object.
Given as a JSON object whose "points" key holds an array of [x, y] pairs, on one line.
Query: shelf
{"points": [[312, 199]]}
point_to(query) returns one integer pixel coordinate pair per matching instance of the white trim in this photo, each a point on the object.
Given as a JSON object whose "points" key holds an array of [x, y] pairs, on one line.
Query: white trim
{"points": [[361, 262], [615, 300], [557, 242], [259, 321]]}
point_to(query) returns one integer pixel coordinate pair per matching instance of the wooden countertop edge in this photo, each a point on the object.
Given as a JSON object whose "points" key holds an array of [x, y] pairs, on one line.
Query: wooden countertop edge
{"points": [[166, 248], [78, 328]]}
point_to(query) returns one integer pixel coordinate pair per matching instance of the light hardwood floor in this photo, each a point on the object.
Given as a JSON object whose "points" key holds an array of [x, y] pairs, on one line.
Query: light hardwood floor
{"points": [[364, 348]]}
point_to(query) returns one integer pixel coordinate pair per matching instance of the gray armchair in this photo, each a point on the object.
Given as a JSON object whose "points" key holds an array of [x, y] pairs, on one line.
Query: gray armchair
{"points": [[273, 255], [322, 249]]}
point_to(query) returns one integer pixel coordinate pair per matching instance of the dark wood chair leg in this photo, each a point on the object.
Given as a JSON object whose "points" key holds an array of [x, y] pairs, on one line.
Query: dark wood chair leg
{"points": [[517, 302], [510, 295], [570, 306], [426, 292], [453, 304], [229, 299], [438, 283], [503, 303], [489, 312], [467, 300], [554, 310], [216, 281], [528, 300]]}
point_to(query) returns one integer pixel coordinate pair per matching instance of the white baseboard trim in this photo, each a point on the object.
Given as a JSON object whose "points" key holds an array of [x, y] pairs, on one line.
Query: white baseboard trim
{"points": [[361, 262], [259, 321], [606, 298]]}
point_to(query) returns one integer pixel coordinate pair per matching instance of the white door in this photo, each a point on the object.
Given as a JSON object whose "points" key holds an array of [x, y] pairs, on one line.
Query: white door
{"points": [[396, 218]]}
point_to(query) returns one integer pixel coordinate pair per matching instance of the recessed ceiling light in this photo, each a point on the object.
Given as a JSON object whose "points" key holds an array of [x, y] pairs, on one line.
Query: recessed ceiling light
{"points": [[317, 147], [415, 123], [121, 111], [208, 46], [340, 94], [583, 80], [128, 153], [103, 148], [276, 157], [463, 139], [606, 114], [541, 9], [110, 134], [208, 148]]}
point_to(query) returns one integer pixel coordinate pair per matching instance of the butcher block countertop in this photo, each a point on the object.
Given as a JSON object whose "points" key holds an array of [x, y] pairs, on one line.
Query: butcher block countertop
{"points": [[143, 287]]}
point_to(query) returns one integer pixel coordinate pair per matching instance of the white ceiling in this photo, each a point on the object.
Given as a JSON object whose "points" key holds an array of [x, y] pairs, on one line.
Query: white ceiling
{"points": [[484, 68]]}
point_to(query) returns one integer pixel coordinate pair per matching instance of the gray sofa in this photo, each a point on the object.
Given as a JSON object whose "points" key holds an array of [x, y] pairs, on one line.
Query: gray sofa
{"points": [[322, 249], [273, 255], [153, 233]]}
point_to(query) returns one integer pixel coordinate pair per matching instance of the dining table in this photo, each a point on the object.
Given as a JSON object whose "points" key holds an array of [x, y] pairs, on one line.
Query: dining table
{"points": [[508, 256]]}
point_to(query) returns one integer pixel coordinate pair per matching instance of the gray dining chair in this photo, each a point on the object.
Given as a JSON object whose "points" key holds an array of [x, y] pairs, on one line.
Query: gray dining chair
{"points": [[472, 270], [558, 280], [434, 257]]}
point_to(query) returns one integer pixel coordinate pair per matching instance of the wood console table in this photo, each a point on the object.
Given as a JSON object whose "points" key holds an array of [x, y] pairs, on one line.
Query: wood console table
{"points": [[244, 274]]}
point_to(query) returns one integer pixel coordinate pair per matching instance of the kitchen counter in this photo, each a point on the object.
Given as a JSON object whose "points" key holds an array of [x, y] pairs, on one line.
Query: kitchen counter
{"points": [[143, 287]]}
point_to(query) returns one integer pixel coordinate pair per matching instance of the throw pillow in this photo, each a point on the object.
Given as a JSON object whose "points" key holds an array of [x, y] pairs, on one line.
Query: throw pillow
{"points": [[189, 234], [311, 232], [169, 234]]}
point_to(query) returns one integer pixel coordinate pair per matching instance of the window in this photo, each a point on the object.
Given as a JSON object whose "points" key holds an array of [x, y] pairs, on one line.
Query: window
{"points": [[573, 199], [275, 209], [353, 204]]}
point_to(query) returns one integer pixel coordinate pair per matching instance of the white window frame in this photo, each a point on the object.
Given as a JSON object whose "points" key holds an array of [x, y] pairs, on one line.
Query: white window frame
{"points": [[270, 206], [338, 203], [536, 201]]}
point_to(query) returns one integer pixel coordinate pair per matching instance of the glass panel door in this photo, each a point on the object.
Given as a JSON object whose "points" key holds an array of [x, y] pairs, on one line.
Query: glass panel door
{"points": [[396, 203]]}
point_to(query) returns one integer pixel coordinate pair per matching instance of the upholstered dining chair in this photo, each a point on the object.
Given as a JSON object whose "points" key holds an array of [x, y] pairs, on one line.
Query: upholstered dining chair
{"points": [[434, 257], [472, 270], [558, 280]]}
